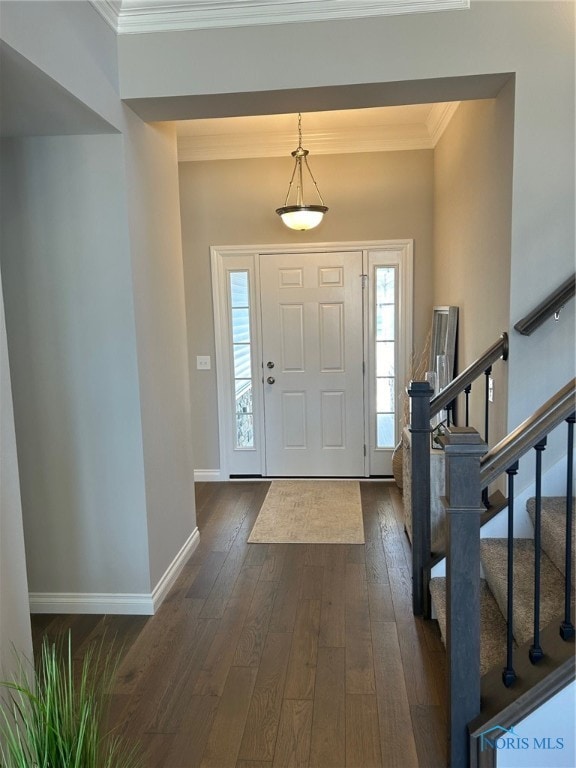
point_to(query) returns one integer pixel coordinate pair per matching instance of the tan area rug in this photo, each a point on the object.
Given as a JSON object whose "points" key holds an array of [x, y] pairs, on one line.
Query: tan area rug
{"points": [[310, 512]]}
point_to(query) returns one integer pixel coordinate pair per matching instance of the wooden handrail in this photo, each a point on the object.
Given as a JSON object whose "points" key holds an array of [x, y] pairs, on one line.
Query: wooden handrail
{"points": [[498, 350], [422, 409], [526, 435], [548, 307]]}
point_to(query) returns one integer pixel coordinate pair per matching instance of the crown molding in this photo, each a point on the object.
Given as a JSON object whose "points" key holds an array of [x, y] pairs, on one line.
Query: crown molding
{"points": [[139, 16], [439, 118], [237, 147], [109, 10], [367, 138]]}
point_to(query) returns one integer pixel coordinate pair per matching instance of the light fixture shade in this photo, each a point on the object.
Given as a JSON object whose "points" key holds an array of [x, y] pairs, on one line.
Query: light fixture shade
{"points": [[298, 215], [302, 217]]}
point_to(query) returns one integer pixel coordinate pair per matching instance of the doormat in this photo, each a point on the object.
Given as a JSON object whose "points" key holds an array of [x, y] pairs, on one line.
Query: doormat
{"points": [[310, 512]]}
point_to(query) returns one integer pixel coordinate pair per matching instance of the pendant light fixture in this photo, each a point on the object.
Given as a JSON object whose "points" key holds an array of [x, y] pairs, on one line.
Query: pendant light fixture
{"points": [[299, 215]]}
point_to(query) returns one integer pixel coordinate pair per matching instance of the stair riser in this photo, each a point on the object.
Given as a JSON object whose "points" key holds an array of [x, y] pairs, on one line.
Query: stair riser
{"points": [[494, 558], [553, 531]]}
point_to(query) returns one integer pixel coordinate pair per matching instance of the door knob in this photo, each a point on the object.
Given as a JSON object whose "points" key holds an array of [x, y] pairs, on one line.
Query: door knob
{"points": [[269, 364], [270, 379]]}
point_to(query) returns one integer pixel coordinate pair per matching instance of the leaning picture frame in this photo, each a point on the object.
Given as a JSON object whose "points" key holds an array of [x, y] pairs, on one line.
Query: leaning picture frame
{"points": [[443, 341], [442, 356]]}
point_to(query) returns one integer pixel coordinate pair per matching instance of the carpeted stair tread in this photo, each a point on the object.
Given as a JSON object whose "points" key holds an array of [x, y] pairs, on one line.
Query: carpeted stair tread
{"points": [[553, 530], [494, 558], [493, 626]]}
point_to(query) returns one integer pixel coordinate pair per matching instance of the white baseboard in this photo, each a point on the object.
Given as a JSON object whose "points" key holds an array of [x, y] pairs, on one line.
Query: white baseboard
{"points": [[139, 604], [91, 602], [171, 574], [208, 476]]}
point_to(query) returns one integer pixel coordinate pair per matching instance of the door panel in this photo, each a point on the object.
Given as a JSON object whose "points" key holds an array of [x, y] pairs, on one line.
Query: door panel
{"points": [[331, 337], [333, 411], [294, 430], [312, 334], [292, 337]]}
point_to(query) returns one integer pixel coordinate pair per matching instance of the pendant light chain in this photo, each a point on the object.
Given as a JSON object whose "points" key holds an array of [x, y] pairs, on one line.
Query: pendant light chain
{"points": [[299, 154], [290, 184], [300, 215], [313, 180]]}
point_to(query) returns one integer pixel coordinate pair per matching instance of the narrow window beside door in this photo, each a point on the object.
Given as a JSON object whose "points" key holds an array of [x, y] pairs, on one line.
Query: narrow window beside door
{"points": [[239, 288], [385, 356]]}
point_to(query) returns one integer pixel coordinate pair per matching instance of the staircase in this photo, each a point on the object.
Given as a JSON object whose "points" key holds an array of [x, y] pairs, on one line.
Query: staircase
{"points": [[506, 606], [494, 592]]}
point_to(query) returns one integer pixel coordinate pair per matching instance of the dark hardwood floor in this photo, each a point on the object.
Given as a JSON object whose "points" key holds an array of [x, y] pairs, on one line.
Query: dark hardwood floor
{"points": [[268, 655]]}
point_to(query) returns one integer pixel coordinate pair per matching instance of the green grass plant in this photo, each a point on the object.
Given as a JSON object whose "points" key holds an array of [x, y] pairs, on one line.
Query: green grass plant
{"points": [[55, 715]]}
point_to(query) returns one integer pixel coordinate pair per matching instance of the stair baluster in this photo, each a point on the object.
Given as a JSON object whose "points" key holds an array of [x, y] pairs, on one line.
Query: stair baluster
{"points": [[508, 673], [567, 627], [467, 391], [536, 653], [487, 374]]}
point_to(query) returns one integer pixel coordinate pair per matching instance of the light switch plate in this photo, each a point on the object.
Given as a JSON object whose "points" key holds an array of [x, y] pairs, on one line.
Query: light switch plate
{"points": [[203, 362]]}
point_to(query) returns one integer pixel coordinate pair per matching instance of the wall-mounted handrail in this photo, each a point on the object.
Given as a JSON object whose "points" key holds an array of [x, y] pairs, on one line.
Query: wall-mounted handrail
{"points": [[548, 307], [526, 435], [498, 350]]}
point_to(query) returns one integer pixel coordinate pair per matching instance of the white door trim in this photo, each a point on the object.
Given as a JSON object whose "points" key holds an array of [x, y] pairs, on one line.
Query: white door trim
{"points": [[250, 254], [397, 253]]}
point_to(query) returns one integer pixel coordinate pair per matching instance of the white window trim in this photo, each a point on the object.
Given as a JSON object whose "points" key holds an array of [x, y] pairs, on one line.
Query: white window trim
{"points": [[397, 253]]}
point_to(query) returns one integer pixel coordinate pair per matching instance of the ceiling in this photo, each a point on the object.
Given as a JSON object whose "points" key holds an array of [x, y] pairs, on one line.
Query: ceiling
{"points": [[415, 126], [138, 16]]}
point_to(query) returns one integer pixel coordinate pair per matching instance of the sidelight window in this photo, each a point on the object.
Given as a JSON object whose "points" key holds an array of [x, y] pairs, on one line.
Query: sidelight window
{"points": [[385, 320], [239, 287]]}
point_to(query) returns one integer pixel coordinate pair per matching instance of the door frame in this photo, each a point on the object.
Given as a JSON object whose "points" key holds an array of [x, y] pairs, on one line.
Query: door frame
{"points": [[246, 257]]}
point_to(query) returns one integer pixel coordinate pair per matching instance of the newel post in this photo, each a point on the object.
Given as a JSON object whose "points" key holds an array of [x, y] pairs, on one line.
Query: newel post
{"points": [[420, 393], [463, 503]]}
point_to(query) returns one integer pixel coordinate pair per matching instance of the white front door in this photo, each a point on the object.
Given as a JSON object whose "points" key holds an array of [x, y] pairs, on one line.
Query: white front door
{"points": [[312, 352]]}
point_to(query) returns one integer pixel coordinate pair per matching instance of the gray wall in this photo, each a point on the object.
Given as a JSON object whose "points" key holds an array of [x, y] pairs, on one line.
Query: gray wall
{"points": [[72, 342], [472, 232], [14, 617], [93, 283], [156, 252], [377, 196], [543, 231], [73, 45]]}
